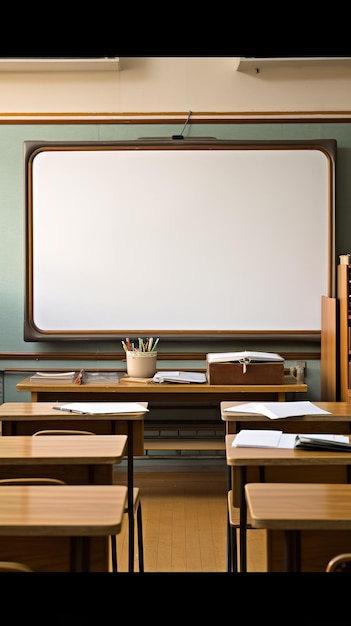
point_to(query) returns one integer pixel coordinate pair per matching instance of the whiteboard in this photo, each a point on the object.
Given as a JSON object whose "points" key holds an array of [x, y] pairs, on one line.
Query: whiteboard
{"points": [[177, 238]]}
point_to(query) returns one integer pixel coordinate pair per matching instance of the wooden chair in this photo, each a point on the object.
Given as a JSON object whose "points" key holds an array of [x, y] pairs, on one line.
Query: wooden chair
{"points": [[137, 510], [340, 563], [14, 566]]}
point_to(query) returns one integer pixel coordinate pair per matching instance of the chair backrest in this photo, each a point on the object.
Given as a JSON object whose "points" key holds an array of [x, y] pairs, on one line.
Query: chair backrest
{"points": [[31, 481], [14, 566], [61, 431], [340, 563]]}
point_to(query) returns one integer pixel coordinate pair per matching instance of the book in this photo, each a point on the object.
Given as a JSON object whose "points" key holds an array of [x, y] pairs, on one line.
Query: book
{"points": [[278, 410], [253, 438], [247, 356], [313, 442], [179, 377]]}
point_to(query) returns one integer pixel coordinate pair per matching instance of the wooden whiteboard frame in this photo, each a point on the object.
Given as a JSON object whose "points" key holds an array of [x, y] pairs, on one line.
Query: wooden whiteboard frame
{"points": [[165, 255]]}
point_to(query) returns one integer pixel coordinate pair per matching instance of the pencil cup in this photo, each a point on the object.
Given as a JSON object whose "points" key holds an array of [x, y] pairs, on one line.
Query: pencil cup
{"points": [[141, 364]]}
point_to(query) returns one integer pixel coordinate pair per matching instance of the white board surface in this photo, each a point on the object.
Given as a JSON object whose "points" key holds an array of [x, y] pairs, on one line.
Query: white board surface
{"points": [[186, 240]]}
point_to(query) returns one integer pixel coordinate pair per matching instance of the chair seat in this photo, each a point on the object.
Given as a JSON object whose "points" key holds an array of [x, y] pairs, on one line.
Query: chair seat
{"points": [[234, 513], [340, 563], [14, 566]]}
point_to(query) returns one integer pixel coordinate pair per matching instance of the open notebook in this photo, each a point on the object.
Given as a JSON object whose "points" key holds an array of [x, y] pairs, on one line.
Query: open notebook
{"points": [[252, 438]]}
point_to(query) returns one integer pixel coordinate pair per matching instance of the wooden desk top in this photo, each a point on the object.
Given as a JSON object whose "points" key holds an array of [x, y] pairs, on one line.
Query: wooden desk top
{"points": [[154, 389], [43, 411], [65, 510], [339, 410], [288, 506], [61, 449], [282, 456]]}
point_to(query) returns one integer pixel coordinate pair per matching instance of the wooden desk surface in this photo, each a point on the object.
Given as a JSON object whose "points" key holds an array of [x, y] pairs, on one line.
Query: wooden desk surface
{"points": [[61, 449], [341, 410], [22, 411], [24, 418], [338, 421], [281, 456], [299, 506], [64, 510], [154, 391]]}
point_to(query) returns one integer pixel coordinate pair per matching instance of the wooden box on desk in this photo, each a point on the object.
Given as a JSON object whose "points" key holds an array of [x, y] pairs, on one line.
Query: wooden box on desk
{"points": [[266, 373]]}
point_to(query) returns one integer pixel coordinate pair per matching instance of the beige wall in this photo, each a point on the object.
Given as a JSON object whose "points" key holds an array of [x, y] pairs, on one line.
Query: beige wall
{"points": [[156, 86]]}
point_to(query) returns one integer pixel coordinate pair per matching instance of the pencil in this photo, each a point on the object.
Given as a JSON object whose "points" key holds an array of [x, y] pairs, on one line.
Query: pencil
{"points": [[155, 344]]}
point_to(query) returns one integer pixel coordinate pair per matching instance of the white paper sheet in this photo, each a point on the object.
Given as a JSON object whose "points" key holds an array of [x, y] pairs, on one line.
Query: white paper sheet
{"points": [[264, 439], [101, 408], [180, 377], [276, 410]]}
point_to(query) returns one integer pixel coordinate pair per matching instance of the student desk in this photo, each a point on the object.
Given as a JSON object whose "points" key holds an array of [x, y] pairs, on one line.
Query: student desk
{"points": [[59, 528], [77, 459], [339, 420], [25, 418], [315, 520], [280, 465]]}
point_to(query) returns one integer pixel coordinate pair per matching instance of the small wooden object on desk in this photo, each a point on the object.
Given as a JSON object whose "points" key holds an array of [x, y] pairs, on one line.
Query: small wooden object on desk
{"points": [[245, 368]]}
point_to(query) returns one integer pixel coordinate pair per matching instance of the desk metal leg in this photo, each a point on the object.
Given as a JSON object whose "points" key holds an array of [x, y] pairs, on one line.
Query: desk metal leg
{"points": [[80, 554], [243, 520], [130, 495], [130, 486], [229, 541], [292, 550]]}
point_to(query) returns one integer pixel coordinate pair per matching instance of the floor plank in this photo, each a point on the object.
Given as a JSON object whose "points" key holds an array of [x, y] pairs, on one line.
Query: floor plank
{"points": [[184, 524]]}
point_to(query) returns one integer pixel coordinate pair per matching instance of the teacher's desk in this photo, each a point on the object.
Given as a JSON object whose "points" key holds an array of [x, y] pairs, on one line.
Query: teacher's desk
{"points": [[162, 398]]}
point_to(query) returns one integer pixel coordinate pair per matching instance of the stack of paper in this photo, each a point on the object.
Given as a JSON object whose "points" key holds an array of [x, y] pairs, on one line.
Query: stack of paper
{"points": [[179, 377], [43, 376], [243, 357]]}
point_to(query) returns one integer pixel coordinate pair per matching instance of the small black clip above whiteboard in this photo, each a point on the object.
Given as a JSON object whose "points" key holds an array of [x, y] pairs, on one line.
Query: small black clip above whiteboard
{"points": [[181, 136]]}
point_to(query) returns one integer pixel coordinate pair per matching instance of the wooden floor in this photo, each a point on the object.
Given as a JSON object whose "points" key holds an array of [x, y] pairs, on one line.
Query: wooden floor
{"points": [[184, 524]]}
